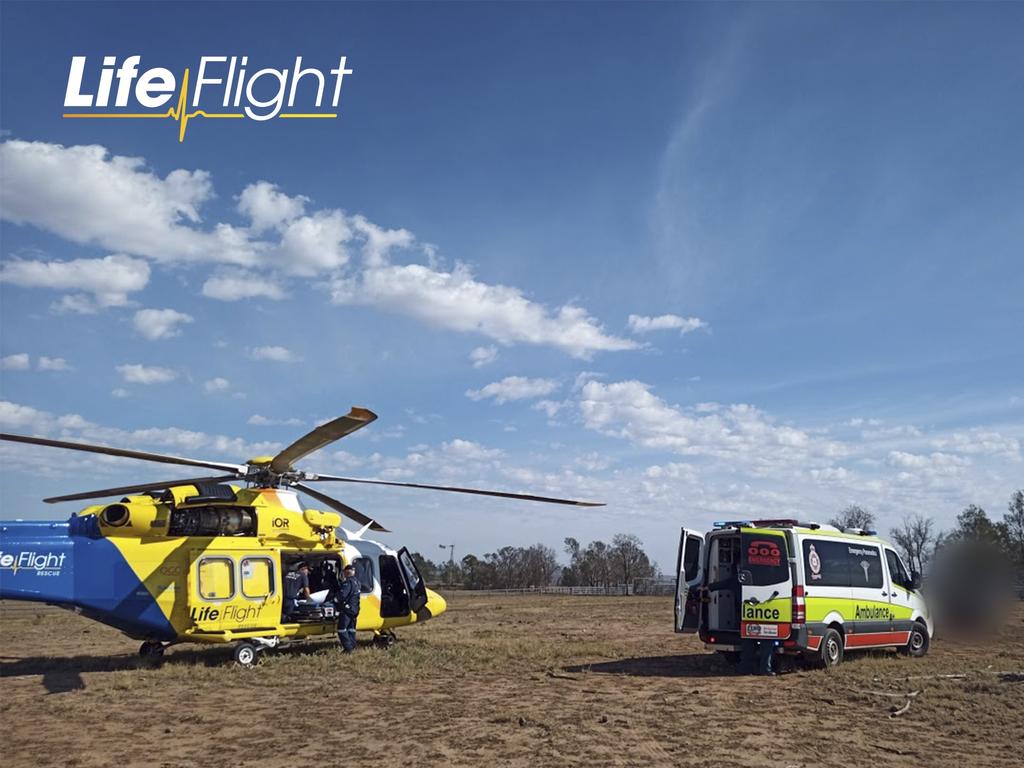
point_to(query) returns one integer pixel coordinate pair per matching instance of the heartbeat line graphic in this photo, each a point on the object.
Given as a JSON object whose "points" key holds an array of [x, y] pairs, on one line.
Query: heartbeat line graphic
{"points": [[182, 115]]}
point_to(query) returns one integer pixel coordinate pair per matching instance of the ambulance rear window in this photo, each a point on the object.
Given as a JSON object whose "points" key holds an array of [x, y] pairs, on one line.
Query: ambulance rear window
{"points": [[765, 557]]}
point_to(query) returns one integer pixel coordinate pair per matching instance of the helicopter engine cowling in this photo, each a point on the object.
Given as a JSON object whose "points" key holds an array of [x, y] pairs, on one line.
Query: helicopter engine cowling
{"points": [[115, 515]]}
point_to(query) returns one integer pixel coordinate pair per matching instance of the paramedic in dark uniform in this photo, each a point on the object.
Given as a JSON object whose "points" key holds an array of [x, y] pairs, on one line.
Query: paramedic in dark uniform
{"points": [[346, 599], [296, 587], [763, 650]]}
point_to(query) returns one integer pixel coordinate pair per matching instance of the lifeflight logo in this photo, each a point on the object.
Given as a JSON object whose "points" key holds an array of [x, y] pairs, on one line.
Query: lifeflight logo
{"points": [[43, 563], [261, 95]]}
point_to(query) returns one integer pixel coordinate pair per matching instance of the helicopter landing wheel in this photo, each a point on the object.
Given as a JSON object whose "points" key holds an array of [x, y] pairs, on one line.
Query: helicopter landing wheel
{"points": [[245, 654], [152, 651], [384, 640]]}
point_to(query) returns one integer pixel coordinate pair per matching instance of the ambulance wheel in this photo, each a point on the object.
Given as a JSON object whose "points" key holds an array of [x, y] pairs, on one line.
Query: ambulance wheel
{"points": [[245, 654], [152, 651], [918, 644], [831, 649]]}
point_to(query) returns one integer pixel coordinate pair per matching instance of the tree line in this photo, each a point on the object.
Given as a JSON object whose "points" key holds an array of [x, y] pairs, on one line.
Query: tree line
{"points": [[623, 560], [598, 564], [920, 540]]}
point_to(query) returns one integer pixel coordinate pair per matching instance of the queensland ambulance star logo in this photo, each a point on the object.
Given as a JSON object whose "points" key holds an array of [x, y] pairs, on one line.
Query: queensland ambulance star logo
{"points": [[260, 96], [814, 561]]}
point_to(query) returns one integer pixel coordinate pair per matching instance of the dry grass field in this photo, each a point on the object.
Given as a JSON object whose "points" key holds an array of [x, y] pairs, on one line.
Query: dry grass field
{"points": [[500, 681]]}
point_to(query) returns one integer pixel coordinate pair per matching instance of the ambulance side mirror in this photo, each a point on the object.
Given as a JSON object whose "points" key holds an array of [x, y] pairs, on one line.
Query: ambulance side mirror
{"points": [[915, 580]]}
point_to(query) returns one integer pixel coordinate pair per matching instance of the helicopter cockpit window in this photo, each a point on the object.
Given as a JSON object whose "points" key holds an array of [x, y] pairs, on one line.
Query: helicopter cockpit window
{"points": [[364, 572], [257, 577], [216, 578]]}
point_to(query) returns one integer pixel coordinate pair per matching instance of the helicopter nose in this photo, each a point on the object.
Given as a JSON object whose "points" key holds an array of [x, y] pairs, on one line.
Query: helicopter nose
{"points": [[435, 603]]}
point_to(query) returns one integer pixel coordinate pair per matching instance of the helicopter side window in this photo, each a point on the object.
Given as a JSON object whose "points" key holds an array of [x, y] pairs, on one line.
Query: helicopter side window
{"points": [[216, 578], [364, 572], [257, 577], [412, 576]]}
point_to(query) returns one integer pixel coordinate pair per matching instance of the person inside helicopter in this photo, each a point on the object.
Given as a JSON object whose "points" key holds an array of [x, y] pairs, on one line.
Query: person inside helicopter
{"points": [[296, 589]]}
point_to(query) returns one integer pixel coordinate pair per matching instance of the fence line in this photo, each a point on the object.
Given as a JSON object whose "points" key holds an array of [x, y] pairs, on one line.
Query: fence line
{"points": [[611, 590]]}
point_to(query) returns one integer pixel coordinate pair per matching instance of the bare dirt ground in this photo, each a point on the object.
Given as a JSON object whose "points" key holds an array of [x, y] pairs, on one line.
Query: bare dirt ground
{"points": [[502, 681]]}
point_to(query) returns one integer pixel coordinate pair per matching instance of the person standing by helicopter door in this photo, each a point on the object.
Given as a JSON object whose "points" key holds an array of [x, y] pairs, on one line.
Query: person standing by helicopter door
{"points": [[347, 602]]}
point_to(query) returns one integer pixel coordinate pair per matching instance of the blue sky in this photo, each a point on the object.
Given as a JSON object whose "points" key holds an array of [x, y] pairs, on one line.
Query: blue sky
{"points": [[813, 213]]}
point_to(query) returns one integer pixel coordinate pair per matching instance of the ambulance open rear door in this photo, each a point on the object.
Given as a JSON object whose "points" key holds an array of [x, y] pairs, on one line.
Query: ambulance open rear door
{"points": [[766, 585], [689, 579]]}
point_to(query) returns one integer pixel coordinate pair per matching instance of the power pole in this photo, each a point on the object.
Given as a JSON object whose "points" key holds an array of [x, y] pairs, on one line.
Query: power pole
{"points": [[451, 561]]}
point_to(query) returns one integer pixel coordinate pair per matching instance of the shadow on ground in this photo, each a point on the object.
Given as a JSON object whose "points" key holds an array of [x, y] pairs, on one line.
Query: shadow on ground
{"points": [[686, 665], [64, 673]]}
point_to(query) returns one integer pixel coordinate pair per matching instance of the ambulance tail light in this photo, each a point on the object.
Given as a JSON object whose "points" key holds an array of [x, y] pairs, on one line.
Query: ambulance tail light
{"points": [[799, 605]]}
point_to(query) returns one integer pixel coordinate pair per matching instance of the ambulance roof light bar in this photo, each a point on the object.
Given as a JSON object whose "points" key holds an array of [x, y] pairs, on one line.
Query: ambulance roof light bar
{"points": [[765, 523]]}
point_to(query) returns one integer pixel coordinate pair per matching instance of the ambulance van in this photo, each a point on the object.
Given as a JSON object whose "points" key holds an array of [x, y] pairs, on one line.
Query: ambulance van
{"points": [[809, 589]]}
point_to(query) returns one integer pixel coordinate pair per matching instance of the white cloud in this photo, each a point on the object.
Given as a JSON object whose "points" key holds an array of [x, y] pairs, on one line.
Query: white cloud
{"points": [[217, 385], [233, 286], [53, 364], [28, 420], [134, 373], [313, 244], [274, 354], [644, 324], [830, 474], [469, 450], [550, 407], [379, 241], [860, 422], [85, 195], [16, 362], [266, 208], [628, 409], [935, 460], [482, 356], [109, 280], [513, 388], [456, 301], [672, 470], [262, 421], [120, 392], [156, 324], [980, 441], [457, 458]]}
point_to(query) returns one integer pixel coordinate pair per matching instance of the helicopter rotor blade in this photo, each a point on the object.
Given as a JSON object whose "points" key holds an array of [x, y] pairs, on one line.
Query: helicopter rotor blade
{"points": [[341, 507], [323, 435], [141, 455], [127, 489], [457, 489]]}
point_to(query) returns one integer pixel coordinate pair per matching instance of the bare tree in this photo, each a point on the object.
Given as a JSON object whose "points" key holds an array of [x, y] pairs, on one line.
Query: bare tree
{"points": [[629, 559], [1014, 521], [916, 539], [853, 516]]}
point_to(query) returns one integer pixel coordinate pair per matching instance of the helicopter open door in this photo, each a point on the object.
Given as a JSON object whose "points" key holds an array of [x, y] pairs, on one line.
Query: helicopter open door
{"points": [[689, 579], [402, 590], [413, 579]]}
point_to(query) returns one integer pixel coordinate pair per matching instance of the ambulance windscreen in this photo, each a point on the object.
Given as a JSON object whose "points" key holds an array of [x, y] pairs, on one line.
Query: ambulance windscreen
{"points": [[765, 557]]}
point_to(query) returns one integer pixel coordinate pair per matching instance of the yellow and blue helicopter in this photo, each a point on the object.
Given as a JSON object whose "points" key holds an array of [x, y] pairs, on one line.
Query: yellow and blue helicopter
{"points": [[202, 559]]}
